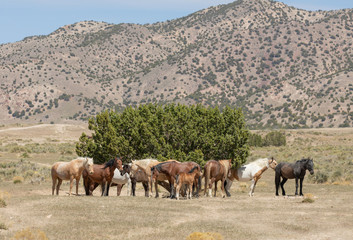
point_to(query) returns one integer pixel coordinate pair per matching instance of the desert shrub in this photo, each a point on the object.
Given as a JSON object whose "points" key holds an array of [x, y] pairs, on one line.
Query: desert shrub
{"points": [[24, 169], [275, 138], [18, 179], [2, 203], [205, 236], [30, 234], [319, 177], [255, 140], [308, 198], [3, 226], [25, 155]]}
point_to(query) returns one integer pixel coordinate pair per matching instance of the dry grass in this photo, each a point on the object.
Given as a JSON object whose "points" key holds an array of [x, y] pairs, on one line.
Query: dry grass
{"points": [[263, 216]]}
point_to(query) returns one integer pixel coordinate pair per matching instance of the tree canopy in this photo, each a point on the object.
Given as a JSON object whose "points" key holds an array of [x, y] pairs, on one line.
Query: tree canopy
{"points": [[185, 133]]}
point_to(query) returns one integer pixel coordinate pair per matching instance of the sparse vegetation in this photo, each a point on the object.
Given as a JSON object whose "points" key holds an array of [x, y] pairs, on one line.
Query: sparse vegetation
{"points": [[285, 67]]}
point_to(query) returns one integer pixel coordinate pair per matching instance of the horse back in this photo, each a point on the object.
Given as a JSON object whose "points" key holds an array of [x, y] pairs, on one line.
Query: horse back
{"points": [[285, 170]]}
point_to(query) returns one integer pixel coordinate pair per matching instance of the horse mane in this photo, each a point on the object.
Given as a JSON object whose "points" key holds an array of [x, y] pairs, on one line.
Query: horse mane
{"points": [[110, 163], [193, 169], [159, 166], [303, 160]]}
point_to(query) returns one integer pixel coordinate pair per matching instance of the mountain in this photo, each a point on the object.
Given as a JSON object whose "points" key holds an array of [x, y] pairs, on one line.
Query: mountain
{"points": [[285, 67]]}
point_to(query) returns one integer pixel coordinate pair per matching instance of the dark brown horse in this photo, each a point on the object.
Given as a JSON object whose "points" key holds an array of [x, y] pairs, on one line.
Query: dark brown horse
{"points": [[171, 169], [295, 170], [215, 171], [103, 174]]}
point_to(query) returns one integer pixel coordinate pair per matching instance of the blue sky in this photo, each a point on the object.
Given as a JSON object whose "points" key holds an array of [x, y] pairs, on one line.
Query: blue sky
{"points": [[23, 18]]}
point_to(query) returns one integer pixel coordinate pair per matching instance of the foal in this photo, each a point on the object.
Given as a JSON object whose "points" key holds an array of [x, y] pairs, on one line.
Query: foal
{"points": [[187, 178]]}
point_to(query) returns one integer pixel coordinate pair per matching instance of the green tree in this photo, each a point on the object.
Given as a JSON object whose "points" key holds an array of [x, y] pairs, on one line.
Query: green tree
{"points": [[184, 133]]}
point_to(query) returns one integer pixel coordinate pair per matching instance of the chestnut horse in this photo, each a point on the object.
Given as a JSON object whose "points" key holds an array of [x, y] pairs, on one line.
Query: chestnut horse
{"points": [[295, 170], [215, 171], [189, 179], [251, 171], [69, 171], [103, 174], [170, 169]]}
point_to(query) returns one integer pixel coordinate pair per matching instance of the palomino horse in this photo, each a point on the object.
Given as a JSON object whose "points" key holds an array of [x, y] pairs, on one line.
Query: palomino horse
{"points": [[295, 170], [251, 171], [122, 178], [215, 171], [141, 172], [189, 179], [69, 171], [103, 174], [170, 169]]}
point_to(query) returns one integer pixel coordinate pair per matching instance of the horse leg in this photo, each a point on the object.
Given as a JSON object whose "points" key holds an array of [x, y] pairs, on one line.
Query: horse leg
{"points": [[301, 186], [222, 187], [227, 184], [71, 184], [145, 186], [190, 190], [103, 188], [215, 188], [253, 182], [277, 181], [86, 185], [54, 183], [156, 188], [133, 186], [118, 189], [128, 187], [77, 182], [177, 190], [58, 186], [108, 187], [210, 187], [206, 184], [284, 180], [296, 186]]}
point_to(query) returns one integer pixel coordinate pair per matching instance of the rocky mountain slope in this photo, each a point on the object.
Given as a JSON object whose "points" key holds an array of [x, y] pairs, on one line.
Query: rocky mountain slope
{"points": [[284, 66]]}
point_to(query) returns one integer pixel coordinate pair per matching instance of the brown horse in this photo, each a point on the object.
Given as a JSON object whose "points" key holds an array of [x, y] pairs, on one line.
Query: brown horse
{"points": [[215, 171], [171, 169], [189, 179], [69, 171], [103, 174], [141, 172]]}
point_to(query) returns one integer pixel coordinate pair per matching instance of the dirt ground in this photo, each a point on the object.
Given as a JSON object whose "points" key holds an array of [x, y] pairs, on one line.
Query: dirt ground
{"points": [[264, 216]]}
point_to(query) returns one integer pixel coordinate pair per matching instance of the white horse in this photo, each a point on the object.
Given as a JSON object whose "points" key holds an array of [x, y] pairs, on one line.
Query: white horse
{"points": [[122, 179], [251, 171]]}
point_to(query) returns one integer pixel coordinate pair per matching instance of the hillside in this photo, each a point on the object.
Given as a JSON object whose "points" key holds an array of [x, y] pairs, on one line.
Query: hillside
{"points": [[284, 66]]}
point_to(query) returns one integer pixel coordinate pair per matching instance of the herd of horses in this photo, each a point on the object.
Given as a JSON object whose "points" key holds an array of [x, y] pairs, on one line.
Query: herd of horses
{"points": [[176, 177]]}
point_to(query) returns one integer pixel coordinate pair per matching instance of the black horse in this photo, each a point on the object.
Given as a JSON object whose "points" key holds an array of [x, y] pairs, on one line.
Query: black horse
{"points": [[295, 170]]}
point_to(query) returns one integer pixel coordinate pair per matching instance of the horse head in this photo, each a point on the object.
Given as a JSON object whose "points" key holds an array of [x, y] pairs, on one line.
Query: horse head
{"points": [[118, 164], [89, 165], [310, 165], [272, 163], [126, 169]]}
